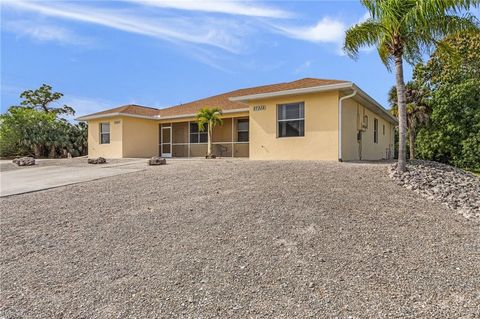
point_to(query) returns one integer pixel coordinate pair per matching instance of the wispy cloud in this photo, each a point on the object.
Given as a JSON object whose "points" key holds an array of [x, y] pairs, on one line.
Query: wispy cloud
{"points": [[231, 7], [304, 66], [45, 32], [198, 28], [327, 30], [171, 29]]}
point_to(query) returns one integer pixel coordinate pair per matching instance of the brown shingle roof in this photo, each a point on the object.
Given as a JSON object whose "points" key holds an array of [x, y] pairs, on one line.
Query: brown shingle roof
{"points": [[131, 109], [222, 100]]}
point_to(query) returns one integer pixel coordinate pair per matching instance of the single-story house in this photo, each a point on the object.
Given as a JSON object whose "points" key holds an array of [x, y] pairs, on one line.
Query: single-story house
{"points": [[307, 119]]}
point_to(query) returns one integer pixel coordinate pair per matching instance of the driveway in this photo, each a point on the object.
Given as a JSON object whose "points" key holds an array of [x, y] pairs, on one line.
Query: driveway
{"points": [[55, 173], [237, 239]]}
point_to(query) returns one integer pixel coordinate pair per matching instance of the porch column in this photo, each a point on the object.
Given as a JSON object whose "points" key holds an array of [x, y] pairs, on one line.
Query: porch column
{"points": [[233, 142], [188, 139]]}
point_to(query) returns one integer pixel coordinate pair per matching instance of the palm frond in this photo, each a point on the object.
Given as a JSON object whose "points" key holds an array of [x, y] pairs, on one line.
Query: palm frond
{"points": [[367, 33], [427, 7], [441, 26], [208, 117], [372, 7], [384, 52], [423, 39]]}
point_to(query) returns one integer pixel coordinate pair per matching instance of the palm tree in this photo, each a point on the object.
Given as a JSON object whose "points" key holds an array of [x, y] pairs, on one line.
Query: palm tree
{"points": [[404, 30], [209, 118], [418, 110]]}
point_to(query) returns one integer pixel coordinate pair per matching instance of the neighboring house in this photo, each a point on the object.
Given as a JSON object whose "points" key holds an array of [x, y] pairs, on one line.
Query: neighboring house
{"points": [[295, 120]]}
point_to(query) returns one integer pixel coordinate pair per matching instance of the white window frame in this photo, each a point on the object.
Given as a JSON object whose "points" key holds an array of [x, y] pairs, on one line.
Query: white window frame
{"points": [[289, 120], [104, 133]]}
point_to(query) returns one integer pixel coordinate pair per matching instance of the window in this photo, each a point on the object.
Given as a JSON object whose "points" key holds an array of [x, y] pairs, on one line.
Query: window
{"points": [[242, 130], [375, 130], [291, 119], [197, 136], [384, 129], [104, 133]]}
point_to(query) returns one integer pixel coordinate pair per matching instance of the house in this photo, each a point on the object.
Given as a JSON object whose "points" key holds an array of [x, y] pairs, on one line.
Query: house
{"points": [[307, 119]]}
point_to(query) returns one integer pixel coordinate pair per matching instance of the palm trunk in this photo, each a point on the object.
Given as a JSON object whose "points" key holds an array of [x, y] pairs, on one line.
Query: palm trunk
{"points": [[37, 151], [411, 140], [53, 151], [209, 145], [402, 115]]}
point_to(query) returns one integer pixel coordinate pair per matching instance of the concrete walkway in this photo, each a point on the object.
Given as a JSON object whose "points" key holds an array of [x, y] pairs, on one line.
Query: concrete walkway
{"points": [[44, 177]]}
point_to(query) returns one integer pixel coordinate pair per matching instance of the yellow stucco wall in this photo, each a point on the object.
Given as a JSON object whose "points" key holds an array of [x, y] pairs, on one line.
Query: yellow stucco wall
{"points": [[136, 137], [350, 126], [321, 126], [112, 150], [371, 150], [140, 137], [129, 137], [352, 117]]}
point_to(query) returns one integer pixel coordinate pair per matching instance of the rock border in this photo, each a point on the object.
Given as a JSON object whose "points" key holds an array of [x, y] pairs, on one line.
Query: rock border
{"points": [[98, 160], [24, 161], [448, 185], [156, 160]]}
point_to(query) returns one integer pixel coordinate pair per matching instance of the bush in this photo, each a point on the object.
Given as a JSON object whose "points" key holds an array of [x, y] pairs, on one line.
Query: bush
{"points": [[26, 131]]}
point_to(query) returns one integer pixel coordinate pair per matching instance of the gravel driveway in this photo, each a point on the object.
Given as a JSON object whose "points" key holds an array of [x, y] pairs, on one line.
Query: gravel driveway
{"points": [[237, 239]]}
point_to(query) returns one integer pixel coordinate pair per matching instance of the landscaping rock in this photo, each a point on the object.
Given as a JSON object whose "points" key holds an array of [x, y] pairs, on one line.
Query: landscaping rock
{"points": [[453, 187], [157, 161], [211, 156], [24, 161], [99, 160]]}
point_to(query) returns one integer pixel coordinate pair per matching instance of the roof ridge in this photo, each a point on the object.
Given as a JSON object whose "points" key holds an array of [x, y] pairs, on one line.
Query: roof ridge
{"points": [[247, 88], [146, 107], [283, 83], [220, 99], [318, 79]]}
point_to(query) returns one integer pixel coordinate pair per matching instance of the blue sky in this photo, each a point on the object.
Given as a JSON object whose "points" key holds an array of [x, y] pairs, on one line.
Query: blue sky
{"points": [[158, 53]]}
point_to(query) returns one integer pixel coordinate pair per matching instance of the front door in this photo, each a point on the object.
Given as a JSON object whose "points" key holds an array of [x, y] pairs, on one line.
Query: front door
{"points": [[166, 146]]}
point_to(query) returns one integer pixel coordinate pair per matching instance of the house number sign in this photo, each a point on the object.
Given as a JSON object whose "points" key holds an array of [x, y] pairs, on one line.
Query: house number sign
{"points": [[259, 107]]}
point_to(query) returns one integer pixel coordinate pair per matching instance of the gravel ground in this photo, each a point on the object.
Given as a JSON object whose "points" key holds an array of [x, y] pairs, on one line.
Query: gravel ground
{"points": [[238, 239]]}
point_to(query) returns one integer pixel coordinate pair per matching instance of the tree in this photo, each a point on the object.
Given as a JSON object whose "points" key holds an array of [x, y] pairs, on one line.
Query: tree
{"points": [[208, 118], [25, 131], [36, 128], [78, 135], [453, 134], [404, 30], [42, 98], [418, 110]]}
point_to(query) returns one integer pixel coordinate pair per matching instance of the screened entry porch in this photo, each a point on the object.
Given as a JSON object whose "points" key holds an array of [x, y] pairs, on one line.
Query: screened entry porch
{"points": [[184, 139]]}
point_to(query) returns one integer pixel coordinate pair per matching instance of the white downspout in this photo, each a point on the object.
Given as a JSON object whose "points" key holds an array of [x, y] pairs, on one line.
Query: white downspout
{"points": [[340, 108]]}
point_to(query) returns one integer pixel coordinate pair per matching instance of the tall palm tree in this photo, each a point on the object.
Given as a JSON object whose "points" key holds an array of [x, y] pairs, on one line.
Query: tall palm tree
{"points": [[404, 30], [209, 118], [418, 110]]}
